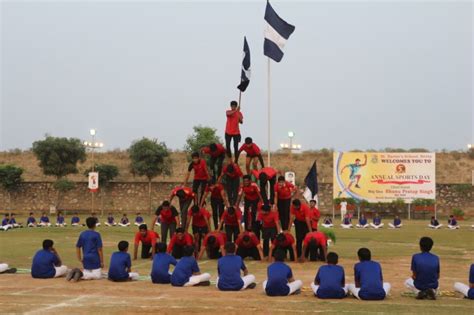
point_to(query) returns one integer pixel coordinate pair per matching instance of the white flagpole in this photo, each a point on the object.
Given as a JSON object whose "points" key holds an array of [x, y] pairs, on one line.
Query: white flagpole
{"points": [[268, 111]]}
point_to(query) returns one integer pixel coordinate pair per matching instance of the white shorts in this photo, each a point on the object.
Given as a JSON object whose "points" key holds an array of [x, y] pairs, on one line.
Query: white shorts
{"points": [[92, 274], [60, 271]]}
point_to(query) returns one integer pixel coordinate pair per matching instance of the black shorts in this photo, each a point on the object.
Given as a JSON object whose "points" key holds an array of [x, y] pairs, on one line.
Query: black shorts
{"points": [[269, 232], [200, 230]]}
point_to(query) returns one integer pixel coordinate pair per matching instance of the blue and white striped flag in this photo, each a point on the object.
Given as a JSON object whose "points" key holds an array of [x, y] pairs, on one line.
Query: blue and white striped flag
{"points": [[245, 73], [277, 31]]}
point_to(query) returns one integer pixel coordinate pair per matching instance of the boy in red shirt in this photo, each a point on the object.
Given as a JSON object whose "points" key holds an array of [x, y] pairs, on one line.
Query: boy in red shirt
{"points": [[231, 173], [213, 244], [185, 197], [284, 191], [169, 219], [286, 242], [148, 239], [253, 153], [266, 175], [201, 175], [299, 216], [314, 246], [270, 226], [252, 196], [313, 215], [232, 131], [177, 243], [218, 200], [248, 245], [231, 219], [217, 153], [200, 223]]}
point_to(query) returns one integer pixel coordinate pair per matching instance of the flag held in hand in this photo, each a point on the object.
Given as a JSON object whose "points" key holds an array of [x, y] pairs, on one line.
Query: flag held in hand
{"points": [[245, 73]]}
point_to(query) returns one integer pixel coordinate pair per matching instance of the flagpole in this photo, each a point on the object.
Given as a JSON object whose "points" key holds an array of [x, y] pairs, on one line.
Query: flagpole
{"points": [[240, 97], [268, 111]]}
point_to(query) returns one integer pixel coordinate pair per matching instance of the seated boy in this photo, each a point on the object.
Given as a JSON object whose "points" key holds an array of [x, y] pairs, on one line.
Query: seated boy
{"points": [[75, 220], [44, 220], [377, 222], [13, 222], [280, 281], [110, 220], [161, 265], [468, 291], [368, 277], [327, 223], [124, 222], [177, 243], [213, 244], [6, 223], [362, 222], [187, 273], [453, 223], [286, 242], [434, 223], [425, 269], [60, 221], [120, 268], [248, 245], [330, 280], [228, 269], [46, 263], [346, 222], [31, 221], [139, 219], [397, 223]]}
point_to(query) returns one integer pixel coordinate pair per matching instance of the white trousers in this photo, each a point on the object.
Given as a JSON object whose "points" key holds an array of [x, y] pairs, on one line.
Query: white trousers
{"points": [[198, 279], [6, 227], [3, 267], [395, 226], [31, 224], [359, 226], [44, 224], [453, 227], [435, 226], [346, 226], [461, 287], [133, 275], [327, 225], [74, 224], [92, 274], [376, 226], [60, 271], [410, 284], [138, 224], [355, 291], [124, 225], [61, 224], [315, 288], [294, 286], [110, 224], [343, 214], [248, 280]]}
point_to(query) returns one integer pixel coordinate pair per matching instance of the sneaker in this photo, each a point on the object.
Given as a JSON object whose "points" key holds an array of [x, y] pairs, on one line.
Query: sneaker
{"points": [[422, 295], [10, 270], [77, 275], [431, 294], [70, 274], [204, 284], [253, 285], [297, 292], [357, 186]]}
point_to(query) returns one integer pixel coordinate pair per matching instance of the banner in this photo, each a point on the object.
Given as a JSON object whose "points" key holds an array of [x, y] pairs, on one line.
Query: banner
{"points": [[93, 181], [384, 177]]}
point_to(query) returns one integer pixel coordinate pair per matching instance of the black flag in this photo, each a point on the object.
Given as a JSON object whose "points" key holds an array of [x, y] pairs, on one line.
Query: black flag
{"points": [[311, 182], [245, 73]]}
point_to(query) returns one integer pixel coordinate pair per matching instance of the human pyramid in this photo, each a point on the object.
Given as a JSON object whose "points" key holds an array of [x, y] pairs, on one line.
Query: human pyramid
{"points": [[261, 232]]}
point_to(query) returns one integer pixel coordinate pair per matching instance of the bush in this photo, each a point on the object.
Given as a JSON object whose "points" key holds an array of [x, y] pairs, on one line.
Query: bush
{"points": [[201, 137], [462, 188], [458, 212]]}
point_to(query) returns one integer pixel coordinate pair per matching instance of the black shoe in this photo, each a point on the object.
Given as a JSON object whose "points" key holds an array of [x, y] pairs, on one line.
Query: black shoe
{"points": [[253, 285], [422, 295], [297, 292], [431, 294], [77, 275], [10, 270], [70, 274], [204, 284], [357, 186]]}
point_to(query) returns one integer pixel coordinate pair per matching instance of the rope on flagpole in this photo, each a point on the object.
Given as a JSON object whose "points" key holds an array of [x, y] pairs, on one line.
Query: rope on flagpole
{"points": [[268, 112]]}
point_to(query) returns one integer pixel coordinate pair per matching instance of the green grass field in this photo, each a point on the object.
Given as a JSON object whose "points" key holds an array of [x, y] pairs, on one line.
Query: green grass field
{"points": [[392, 248]]}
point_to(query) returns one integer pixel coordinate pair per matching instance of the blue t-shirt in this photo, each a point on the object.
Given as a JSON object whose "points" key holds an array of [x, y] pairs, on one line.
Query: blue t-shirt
{"points": [[44, 219], [362, 221], [452, 222], [60, 220], [397, 222], [184, 269], [75, 220], [278, 274], [426, 267], [377, 220], [5, 221], [120, 262], [12, 221], [228, 268], [43, 264], [331, 281], [354, 170], [90, 242], [346, 221], [110, 220], [470, 293], [369, 275], [139, 219], [161, 266], [30, 220]]}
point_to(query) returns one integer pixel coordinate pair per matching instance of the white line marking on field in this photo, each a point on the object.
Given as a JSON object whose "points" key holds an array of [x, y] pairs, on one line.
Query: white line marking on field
{"points": [[67, 303], [32, 290]]}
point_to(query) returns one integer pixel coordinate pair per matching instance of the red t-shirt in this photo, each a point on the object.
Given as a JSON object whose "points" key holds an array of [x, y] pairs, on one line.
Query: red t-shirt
{"points": [[284, 192], [188, 191], [186, 240], [216, 191], [289, 241], [199, 218], [221, 239], [167, 216], [320, 238], [314, 215], [269, 219], [254, 241], [149, 238], [252, 151], [200, 170], [236, 173], [232, 220], [250, 192], [233, 121], [301, 213], [220, 150], [269, 171]]}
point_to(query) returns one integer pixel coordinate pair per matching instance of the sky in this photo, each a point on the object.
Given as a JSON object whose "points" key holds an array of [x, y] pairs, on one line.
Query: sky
{"points": [[355, 75]]}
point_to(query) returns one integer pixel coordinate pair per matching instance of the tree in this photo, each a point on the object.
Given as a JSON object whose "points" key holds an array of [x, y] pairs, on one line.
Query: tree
{"points": [[149, 158], [58, 157], [10, 180], [107, 173], [201, 137]]}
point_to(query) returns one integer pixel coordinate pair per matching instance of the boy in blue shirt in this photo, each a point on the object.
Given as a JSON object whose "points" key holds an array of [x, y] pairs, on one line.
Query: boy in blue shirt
{"points": [[330, 280], [228, 270], [397, 223], [452, 223], [468, 291], [186, 273], [92, 260], [362, 222], [368, 277], [425, 269], [44, 220], [377, 222], [280, 281], [46, 263], [13, 222], [60, 221], [75, 220], [6, 223], [161, 265], [327, 223], [110, 220], [31, 221], [346, 222], [120, 268], [124, 222], [139, 219]]}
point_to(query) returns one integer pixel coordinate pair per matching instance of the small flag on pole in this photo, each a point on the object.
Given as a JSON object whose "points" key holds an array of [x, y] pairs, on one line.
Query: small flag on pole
{"points": [[245, 73], [277, 31], [311, 182]]}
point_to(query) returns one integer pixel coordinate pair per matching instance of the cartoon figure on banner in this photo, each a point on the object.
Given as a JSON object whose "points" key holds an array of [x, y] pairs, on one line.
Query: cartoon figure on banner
{"points": [[354, 176]]}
